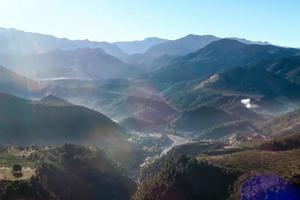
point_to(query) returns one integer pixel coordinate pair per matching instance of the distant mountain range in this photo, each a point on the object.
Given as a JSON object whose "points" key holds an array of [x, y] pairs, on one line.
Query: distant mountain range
{"points": [[139, 46], [188, 44], [82, 63], [45, 56], [164, 84], [181, 46], [19, 42]]}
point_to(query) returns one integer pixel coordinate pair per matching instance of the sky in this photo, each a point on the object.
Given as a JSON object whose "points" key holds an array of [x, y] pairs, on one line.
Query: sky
{"points": [[275, 21]]}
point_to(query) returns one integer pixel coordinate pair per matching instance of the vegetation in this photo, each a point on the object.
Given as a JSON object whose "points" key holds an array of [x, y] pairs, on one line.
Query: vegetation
{"points": [[70, 172], [17, 170], [184, 178], [218, 173]]}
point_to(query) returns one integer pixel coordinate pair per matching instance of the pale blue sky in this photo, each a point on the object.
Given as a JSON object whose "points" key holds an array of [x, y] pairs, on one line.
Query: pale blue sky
{"points": [[276, 21]]}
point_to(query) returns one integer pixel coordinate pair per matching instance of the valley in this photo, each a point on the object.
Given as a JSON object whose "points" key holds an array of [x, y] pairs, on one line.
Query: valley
{"points": [[197, 117]]}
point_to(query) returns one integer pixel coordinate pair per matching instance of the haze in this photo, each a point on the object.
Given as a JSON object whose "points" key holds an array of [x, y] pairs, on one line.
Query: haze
{"points": [[104, 20]]}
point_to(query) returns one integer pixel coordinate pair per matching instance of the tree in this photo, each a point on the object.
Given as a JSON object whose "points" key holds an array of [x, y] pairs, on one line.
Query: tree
{"points": [[17, 170]]}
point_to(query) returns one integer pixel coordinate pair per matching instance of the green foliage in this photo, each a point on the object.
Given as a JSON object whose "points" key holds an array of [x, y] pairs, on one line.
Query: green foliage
{"points": [[183, 178], [17, 167], [213, 172], [71, 172], [27, 190]]}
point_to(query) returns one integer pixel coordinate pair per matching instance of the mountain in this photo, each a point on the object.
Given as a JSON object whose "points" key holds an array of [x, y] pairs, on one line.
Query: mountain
{"points": [[245, 41], [83, 63], [54, 101], [282, 124], [230, 88], [181, 46], [200, 119], [249, 80], [68, 172], [145, 114], [286, 67], [282, 142], [216, 56], [160, 55], [139, 46], [189, 44], [25, 121], [54, 121], [16, 84], [181, 177], [208, 170], [19, 42]]}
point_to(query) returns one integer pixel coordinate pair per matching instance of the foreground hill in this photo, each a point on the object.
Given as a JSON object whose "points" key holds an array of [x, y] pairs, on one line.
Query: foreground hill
{"points": [[209, 171], [82, 63], [70, 172]]}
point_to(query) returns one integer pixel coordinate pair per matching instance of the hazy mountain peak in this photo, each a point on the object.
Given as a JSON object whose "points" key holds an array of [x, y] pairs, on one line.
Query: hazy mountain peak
{"points": [[153, 38], [139, 46], [181, 46], [197, 36], [85, 50], [243, 40], [14, 41], [54, 101]]}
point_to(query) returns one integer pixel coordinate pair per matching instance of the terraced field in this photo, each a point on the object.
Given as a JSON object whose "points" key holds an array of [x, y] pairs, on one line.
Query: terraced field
{"points": [[14, 156]]}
